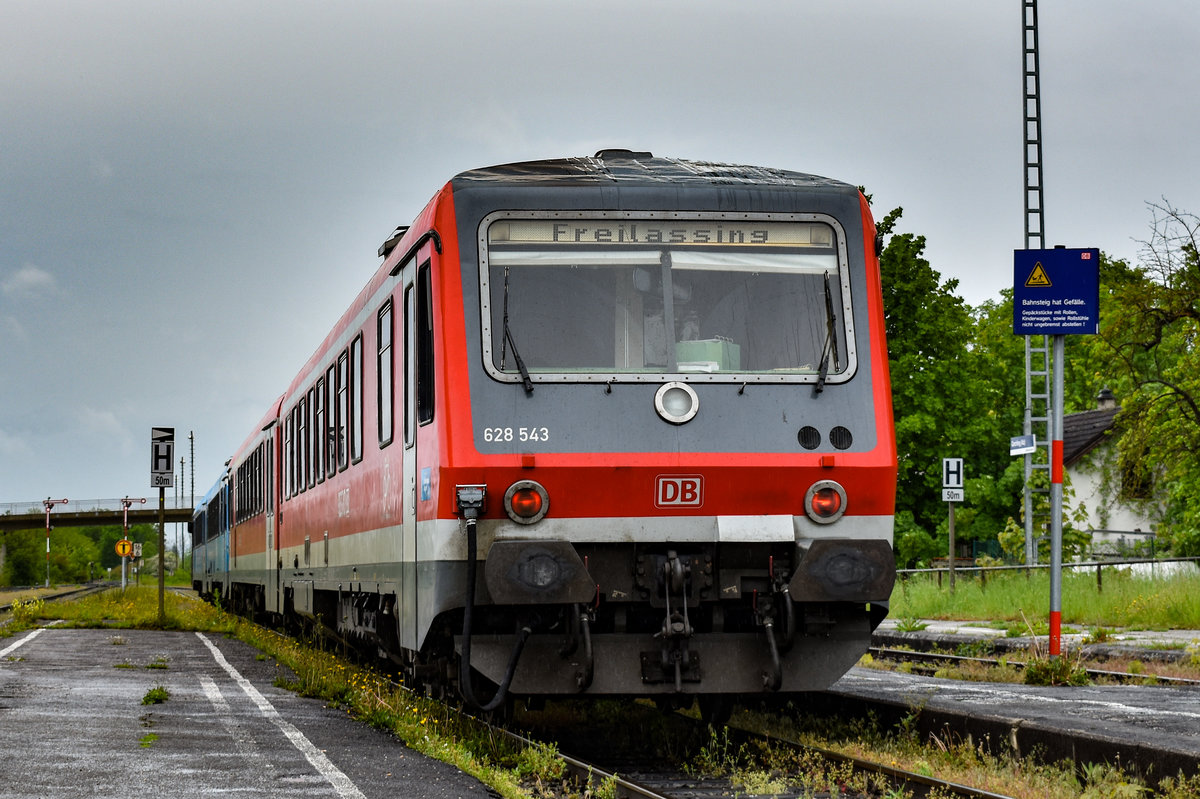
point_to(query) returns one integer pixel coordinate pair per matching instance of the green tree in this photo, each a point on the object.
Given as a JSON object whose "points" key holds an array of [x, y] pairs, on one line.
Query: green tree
{"points": [[25, 560], [1152, 330], [957, 391]]}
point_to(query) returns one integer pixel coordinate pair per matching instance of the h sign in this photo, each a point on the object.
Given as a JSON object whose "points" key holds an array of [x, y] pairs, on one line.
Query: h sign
{"points": [[952, 472], [162, 457]]}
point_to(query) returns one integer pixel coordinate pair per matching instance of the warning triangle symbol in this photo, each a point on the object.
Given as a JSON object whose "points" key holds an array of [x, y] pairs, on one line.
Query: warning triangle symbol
{"points": [[1038, 279]]}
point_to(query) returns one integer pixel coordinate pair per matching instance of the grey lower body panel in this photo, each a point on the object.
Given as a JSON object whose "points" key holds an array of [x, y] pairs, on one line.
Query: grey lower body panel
{"points": [[721, 663]]}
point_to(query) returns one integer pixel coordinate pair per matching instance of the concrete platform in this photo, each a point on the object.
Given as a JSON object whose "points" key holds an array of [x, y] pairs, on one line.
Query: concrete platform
{"points": [[1153, 729], [1161, 645], [72, 724]]}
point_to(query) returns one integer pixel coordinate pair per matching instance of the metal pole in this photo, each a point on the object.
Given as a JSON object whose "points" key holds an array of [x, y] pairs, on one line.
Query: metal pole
{"points": [[1056, 498], [192, 463], [951, 504], [178, 526], [162, 541]]}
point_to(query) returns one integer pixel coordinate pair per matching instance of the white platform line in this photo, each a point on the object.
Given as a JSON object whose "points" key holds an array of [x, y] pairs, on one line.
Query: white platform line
{"points": [[20, 643], [340, 782]]}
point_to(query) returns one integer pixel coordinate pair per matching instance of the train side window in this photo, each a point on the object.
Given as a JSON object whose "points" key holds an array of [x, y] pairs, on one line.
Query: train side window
{"points": [[310, 443], [331, 421], [318, 434], [303, 445], [425, 372], [289, 427], [343, 408], [383, 371], [410, 365], [356, 398]]}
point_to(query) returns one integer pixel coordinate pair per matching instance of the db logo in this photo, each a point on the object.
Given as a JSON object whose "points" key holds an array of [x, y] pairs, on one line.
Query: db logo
{"points": [[679, 490]]}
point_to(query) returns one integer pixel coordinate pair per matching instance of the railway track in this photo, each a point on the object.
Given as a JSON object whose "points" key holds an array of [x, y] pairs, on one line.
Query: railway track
{"points": [[922, 659], [727, 762], [74, 592]]}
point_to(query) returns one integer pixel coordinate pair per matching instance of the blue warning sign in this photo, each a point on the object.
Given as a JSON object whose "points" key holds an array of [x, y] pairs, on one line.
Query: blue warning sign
{"points": [[1056, 292]]}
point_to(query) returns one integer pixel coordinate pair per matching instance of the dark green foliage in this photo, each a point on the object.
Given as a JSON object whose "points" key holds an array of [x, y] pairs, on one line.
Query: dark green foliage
{"points": [[957, 391], [77, 554]]}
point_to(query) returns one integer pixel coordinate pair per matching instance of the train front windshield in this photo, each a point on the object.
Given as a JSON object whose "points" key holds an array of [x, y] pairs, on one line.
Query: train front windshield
{"points": [[593, 298]]}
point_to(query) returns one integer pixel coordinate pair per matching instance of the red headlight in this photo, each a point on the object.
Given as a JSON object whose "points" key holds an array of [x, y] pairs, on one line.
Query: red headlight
{"points": [[825, 502], [526, 502]]}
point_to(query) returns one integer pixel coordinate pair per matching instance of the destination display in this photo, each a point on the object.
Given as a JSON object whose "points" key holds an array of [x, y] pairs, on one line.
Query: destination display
{"points": [[594, 232]]}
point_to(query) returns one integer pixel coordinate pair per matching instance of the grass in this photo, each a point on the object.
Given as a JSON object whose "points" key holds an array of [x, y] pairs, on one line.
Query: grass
{"points": [[1127, 600], [156, 696]]}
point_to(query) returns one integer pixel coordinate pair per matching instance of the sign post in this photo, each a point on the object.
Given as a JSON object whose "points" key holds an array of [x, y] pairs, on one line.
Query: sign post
{"points": [[162, 476], [124, 546], [1056, 293], [952, 491]]}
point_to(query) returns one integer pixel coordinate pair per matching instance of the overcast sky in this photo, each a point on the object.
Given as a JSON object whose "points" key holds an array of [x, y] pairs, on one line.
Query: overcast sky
{"points": [[191, 192]]}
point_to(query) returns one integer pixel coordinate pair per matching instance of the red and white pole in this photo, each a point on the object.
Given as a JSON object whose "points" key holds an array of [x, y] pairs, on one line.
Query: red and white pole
{"points": [[1056, 495], [49, 505]]}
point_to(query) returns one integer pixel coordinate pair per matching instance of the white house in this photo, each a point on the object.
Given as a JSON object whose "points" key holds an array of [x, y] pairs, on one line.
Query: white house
{"points": [[1121, 513]]}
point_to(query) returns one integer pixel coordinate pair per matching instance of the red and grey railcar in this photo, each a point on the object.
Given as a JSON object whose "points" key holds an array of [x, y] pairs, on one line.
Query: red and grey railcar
{"points": [[617, 425]]}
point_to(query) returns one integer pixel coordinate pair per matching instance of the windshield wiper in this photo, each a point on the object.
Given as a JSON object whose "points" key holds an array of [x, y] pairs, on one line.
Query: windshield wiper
{"points": [[508, 341], [830, 347]]}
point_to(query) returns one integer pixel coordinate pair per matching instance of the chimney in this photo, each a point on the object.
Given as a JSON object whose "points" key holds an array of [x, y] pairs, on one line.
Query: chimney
{"points": [[1105, 401]]}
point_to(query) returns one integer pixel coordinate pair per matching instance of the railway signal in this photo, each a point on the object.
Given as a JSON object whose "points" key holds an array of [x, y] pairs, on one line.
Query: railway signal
{"points": [[125, 503], [49, 505]]}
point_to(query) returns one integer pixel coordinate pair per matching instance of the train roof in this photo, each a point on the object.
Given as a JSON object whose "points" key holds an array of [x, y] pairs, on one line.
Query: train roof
{"points": [[640, 168]]}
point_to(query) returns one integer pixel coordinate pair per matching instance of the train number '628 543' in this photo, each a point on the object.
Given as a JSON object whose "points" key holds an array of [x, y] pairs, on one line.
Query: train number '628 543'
{"points": [[516, 434]]}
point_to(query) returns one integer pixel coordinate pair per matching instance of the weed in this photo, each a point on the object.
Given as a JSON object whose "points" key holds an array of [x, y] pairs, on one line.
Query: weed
{"points": [[541, 764], [124, 664], [1180, 787], [1098, 635], [981, 648], [27, 612], [1061, 670], [1105, 780], [760, 783], [156, 696], [147, 740], [117, 640], [607, 789], [159, 662], [910, 624], [716, 758]]}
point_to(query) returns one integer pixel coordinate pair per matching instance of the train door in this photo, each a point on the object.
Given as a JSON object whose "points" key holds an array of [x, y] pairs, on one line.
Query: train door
{"points": [[271, 553], [408, 502]]}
